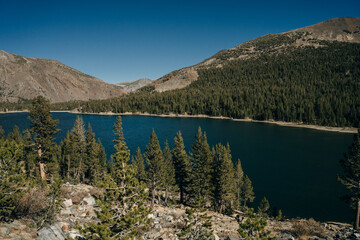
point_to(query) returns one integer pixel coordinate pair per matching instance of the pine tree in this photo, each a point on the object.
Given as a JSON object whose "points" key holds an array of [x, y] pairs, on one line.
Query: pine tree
{"points": [[118, 131], [138, 162], [201, 173], [43, 129], [169, 180], [15, 135], [351, 177], [264, 208], [155, 161], [253, 227], [2, 134], [29, 155], [123, 212], [247, 192], [66, 150], [92, 163], [182, 165], [239, 174], [101, 155], [224, 178], [77, 139], [12, 178]]}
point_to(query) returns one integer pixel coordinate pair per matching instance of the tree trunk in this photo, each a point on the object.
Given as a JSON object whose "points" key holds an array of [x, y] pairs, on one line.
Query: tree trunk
{"points": [[152, 197], [181, 195], [68, 167], [356, 225], [41, 165], [42, 171], [166, 195]]}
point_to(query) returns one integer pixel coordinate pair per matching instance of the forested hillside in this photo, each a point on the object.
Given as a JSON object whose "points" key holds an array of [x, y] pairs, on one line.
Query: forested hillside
{"points": [[315, 85]]}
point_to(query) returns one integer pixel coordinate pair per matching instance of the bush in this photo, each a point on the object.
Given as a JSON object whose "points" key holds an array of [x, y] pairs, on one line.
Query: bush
{"points": [[303, 229]]}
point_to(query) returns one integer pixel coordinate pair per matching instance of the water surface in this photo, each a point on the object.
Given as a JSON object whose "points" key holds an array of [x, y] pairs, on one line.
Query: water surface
{"points": [[295, 168]]}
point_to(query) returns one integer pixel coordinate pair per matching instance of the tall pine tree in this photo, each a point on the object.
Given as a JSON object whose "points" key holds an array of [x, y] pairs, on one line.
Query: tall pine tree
{"points": [[169, 180], [239, 175], [224, 178], [77, 139], [155, 161], [201, 172], [43, 129], [138, 162], [182, 166]]}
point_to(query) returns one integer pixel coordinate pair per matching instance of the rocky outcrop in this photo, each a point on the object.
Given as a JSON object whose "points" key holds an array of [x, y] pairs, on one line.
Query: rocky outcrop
{"points": [[78, 206], [25, 78], [133, 85]]}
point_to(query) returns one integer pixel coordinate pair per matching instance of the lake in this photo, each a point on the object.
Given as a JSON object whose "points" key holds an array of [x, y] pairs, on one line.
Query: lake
{"points": [[295, 168]]}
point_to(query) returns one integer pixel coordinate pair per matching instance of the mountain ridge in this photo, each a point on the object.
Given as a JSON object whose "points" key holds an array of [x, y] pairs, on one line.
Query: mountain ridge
{"points": [[23, 78], [344, 29]]}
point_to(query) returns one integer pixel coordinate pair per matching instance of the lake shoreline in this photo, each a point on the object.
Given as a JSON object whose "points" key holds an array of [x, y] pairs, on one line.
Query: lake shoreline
{"points": [[172, 115], [279, 123]]}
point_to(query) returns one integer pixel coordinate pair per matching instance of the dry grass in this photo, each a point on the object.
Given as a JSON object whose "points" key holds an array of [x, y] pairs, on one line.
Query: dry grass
{"points": [[33, 203], [303, 229], [77, 197]]}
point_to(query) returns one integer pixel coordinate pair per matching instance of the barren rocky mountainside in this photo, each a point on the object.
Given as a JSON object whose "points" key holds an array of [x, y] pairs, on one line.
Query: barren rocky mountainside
{"points": [[345, 29], [132, 86], [25, 78]]}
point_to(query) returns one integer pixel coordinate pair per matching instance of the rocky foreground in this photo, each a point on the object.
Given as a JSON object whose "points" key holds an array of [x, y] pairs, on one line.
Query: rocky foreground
{"points": [[79, 207]]}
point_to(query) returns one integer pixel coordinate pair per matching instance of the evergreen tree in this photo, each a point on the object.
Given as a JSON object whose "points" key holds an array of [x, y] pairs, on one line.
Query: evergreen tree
{"points": [[2, 134], [351, 177], [138, 162], [239, 174], [43, 129], [66, 150], [123, 212], [101, 155], [155, 161], [253, 227], [247, 192], [118, 131], [169, 180], [15, 135], [12, 178], [224, 178], [93, 164], [29, 155], [182, 165], [77, 139], [201, 173], [264, 208]]}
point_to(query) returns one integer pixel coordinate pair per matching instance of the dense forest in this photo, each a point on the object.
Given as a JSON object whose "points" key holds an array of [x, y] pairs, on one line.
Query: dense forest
{"points": [[33, 167], [311, 85]]}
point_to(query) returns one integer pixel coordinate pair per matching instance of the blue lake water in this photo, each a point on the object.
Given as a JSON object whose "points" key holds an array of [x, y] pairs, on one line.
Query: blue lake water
{"points": [[294, 168]]}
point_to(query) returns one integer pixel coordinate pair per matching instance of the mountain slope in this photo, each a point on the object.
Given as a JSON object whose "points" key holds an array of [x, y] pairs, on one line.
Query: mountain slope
{"points": [[294, 77], [24, 78], [346, 29], [132, 86]]}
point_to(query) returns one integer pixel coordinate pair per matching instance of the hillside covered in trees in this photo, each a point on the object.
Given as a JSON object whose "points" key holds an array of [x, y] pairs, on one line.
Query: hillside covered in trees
{"points": [[313, 85]]}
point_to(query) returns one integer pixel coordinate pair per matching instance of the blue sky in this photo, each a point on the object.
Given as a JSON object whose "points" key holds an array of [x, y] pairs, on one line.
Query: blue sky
{"points": [[125, 40]]}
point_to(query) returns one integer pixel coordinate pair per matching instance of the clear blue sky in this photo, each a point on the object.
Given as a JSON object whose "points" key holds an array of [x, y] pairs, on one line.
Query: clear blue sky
{"points": [[125, 40]]}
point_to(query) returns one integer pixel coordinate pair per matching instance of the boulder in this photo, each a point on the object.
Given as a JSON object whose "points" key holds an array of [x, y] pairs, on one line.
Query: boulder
{"points": [[285, 237], [67, 203], [4, 231], [89, 201], [52, 232]]}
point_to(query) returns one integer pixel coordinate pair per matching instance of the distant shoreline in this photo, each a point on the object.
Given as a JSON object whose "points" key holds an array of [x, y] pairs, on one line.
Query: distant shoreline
{"points": [[172, 115], [279, 123]]}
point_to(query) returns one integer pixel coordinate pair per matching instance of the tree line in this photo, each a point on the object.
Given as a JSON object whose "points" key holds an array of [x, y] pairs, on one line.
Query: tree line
{"points": [[310, 85]]}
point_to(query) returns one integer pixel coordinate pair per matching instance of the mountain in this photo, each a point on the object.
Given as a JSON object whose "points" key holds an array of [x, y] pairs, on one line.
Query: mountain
{"points": [[24, 78], [132, 86], [309, 75], [345, 29]]}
